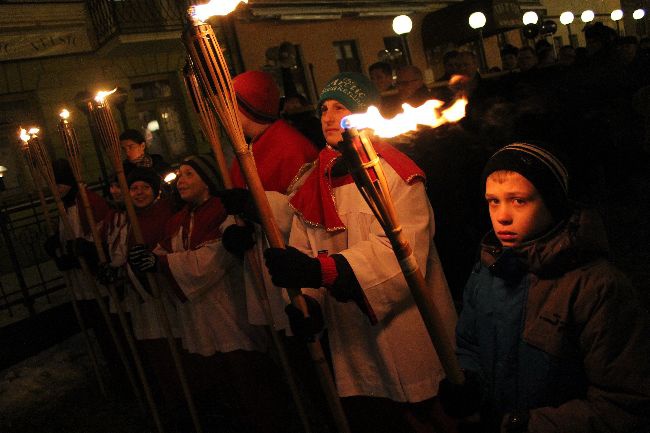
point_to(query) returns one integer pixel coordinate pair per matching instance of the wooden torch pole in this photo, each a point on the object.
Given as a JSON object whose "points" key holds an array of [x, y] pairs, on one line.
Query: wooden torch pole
{"points": [[377, 195], [212, 69], [211, 129], [71, 145], [105, 123], [43, 160], [66, 277]]}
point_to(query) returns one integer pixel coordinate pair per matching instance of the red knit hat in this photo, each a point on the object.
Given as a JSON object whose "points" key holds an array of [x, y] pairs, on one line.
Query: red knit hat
{"points": [[258, 96]]}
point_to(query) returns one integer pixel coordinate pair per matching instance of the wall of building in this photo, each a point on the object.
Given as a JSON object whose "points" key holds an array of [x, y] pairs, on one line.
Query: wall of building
{"points": [[315, 39], [45, 86]]}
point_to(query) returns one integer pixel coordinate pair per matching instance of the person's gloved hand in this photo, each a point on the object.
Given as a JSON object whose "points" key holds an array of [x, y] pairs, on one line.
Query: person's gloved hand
{"points": [[51, 245], [84, 247], [305, 328], [106, 274], [461, 401], [238, 239], [141, 259], [239, 201], [66, 262], [87, 250], [292, 269]]}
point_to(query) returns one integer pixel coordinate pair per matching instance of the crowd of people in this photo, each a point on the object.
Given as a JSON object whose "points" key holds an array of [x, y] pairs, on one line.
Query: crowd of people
{"points": [[550, 335]]}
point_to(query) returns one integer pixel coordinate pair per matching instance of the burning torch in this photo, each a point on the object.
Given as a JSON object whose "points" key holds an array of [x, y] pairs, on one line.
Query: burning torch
{"points": [[368, 174], [100, 112], [213, 74], [69, 138]]}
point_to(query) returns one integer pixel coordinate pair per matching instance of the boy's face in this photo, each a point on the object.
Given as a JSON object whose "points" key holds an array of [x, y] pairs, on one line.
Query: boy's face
{"points": [[517, 211], [331, 114], [141, 193], [190, 186]]}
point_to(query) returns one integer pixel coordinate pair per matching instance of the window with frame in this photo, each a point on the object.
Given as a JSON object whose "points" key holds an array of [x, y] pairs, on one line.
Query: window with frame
{"points": [[347, 56]]}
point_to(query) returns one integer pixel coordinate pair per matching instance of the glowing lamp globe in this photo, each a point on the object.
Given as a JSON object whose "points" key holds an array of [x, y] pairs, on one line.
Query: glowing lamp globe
{"points": [[402, 24], [530, 17], [477, 20], [587, 16], [566, 18], [616, 14], [638, 14]]}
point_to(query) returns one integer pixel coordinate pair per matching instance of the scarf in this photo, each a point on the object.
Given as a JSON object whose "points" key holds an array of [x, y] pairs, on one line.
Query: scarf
{"points": [[315, 201]]}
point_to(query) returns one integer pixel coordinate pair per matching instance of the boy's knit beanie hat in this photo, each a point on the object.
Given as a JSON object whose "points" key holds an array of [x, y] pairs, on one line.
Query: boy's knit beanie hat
{"points": [[258, 96], [541, 167], [351, 89], [206, 168], [147, 175]]}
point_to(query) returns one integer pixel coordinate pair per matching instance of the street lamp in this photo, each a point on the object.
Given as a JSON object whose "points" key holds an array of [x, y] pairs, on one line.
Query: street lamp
{"points": [[566, 18], [477, 21], [638, 14], [402, 25], [587, 16], [616, 16], [530, 17]]}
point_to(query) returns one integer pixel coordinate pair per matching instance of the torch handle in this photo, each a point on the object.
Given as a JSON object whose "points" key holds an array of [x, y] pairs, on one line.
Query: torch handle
{"points": [[377, 195], [90, 217], [98, 297], [120, 312], [41, 198], [427, 307]]}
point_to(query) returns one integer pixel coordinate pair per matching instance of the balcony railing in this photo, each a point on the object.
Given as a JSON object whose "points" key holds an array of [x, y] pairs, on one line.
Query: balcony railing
{"points": [[113, 17]]}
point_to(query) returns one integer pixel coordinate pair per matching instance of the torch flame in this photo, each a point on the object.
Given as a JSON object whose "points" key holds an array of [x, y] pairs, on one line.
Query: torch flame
{"points": [[214, 7], [64, 114], [33, 132], [428, 114], [170, 177], [103, 94], [24, 136]]}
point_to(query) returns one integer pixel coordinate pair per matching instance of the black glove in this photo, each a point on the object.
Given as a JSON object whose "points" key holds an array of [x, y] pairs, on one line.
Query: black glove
{"points": [[106, 274], [141, 259], [84, 247], [239, 201], [461, 401], [66, 262], [305, 328], [87, 250], [52, 245], [238, 239], [292, 269]]}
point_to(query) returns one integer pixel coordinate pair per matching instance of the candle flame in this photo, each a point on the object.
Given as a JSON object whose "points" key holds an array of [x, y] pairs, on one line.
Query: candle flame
{"points": [[101, 96], [214, 7], [427, 114], [64, 114], [24, 136]]}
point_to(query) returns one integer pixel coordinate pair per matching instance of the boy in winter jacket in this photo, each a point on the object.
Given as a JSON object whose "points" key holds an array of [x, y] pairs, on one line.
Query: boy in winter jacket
{"points": [[551, 336]]}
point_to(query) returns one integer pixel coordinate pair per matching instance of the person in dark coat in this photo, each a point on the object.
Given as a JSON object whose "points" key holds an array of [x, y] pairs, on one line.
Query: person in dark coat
{"points": [[135, 148], [552, 337]]}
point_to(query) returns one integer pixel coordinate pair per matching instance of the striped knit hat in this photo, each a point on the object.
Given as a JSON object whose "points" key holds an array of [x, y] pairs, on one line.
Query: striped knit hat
{"points": [[541, 167], [206, 168]]}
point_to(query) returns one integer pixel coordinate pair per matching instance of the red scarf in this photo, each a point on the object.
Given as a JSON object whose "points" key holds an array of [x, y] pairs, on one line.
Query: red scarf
{"points": [[314, 201], [200, 224]]}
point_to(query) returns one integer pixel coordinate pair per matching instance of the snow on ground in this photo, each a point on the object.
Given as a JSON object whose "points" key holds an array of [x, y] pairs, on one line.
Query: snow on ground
{"points": [[56, 392]]}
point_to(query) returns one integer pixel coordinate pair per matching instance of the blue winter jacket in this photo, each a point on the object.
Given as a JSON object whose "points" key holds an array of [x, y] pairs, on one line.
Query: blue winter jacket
{"points": [[552, 328]]}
